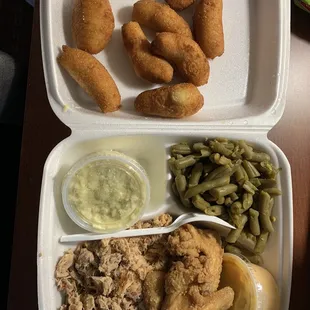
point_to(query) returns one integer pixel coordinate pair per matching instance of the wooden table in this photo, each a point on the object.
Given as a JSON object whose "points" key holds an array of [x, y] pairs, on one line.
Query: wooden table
{"points": [[42, 131]]}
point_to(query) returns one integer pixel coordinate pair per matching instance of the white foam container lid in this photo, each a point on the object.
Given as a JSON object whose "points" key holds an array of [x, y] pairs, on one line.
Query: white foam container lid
{"points": [[244, 99]]}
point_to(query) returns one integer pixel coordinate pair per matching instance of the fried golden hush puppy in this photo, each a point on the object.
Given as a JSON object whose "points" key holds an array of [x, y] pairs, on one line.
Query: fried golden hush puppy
{"points": [[185, 53], [180, 5], [92, 76], [92, 24], [208, 27], [145, 64], [175, 101], [160, 17]]}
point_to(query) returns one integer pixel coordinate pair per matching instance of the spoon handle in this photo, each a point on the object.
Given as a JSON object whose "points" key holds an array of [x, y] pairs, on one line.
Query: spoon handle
{"points": [[120, 234]]}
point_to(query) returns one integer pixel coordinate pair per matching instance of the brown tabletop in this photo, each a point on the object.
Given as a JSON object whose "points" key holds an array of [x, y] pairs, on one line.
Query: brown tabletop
{"points": [[42, 131]]}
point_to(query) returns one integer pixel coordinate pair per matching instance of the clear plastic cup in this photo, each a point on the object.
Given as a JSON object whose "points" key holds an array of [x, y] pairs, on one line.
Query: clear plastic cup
{"points": [[112, 176]]}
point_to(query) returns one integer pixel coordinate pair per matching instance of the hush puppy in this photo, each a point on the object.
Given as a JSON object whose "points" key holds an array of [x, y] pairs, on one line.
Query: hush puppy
{"points": [[186, 54], [145, 64], [92, 24], [208, 27], [179, 5], [177, 101], [92, 76], [160, 17]]}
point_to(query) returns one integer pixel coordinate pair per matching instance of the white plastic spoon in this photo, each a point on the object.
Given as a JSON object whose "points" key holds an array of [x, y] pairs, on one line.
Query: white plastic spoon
{"points": [[179, 221]]}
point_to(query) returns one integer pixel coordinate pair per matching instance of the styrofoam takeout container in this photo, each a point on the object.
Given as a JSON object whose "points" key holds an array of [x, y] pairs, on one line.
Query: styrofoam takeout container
{"points": [[244, 99]]}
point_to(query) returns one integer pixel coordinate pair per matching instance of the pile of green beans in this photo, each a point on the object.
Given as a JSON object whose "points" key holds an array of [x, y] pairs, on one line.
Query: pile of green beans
{"points": [[231, 180]]}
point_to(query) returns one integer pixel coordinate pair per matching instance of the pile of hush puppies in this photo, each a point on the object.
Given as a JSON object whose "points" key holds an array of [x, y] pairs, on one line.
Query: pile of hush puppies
{"points": [[174, 48]]}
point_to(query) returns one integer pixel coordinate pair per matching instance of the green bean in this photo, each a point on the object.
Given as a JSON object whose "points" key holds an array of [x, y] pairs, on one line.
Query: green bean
{"points": [[255, 182], [223, 190], [259, 157], [248, 151], [232, 249], [228, 201], [182, 149], [206, 186], [221, 139], [217, 147], [185, 162], [239, 174], [233, 196], [249, 187], [195, 175], [200, 203], [228, 145], [200, 146], [174, 189], [237, 152], [247, 241], [261, 242], [245, 175], [181, 184], [224, 161], [236, 207], [264, 211], [234, 234], [215, 210], [254, 222], [247, 201], [273, 191], [215, 157], [204, 153], [208, 197], [179, 156], [250, 169], [239, 219], [218, 172], [173, 169], [266, 183], [271, 204], [220, 200]]}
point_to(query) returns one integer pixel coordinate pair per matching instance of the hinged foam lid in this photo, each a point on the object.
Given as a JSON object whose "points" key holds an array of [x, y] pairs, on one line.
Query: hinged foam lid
{"points": [[247, 84]]}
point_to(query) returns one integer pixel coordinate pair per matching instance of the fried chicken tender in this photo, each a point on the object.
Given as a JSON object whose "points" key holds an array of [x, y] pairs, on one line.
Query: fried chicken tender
{"points": [[177, 101], [220, 300], [145, 64], [92, 76], [208, 27], [186, 54], [160, 17], [205, 245], [192, 282], [154, 290], [92, 24], [180, 5]]}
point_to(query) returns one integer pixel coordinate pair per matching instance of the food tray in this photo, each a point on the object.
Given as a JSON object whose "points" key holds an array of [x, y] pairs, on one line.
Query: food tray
{"points": [[246, 84], [243, 100]]}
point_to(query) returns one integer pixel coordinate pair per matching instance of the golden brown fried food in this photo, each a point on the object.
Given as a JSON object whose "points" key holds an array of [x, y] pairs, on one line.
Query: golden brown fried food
{"points": [[220, 300], [92, 24], [180, 5], [203, 252], [208, 27], [186, 54], [146, 65], [192, 282], [175, 101], [160, 17], [154, 290], [92, 76]]}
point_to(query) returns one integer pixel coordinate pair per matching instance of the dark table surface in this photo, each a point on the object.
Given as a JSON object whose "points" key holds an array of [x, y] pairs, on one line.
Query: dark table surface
{"points": [[42, 131]]}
